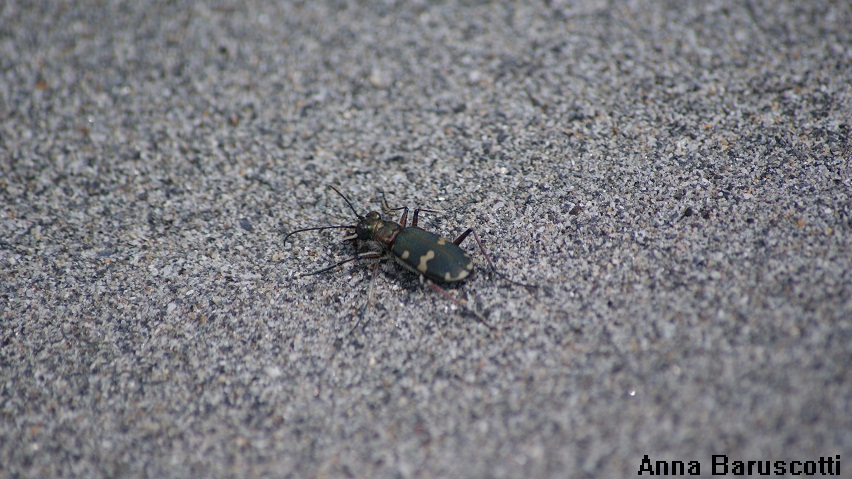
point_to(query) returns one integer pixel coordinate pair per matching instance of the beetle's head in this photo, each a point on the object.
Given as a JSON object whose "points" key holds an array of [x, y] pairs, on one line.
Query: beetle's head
{"points": [[366, 227]]}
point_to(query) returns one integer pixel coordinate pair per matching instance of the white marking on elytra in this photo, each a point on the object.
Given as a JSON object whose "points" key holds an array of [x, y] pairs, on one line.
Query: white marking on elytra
{"points": [[405, 254], [450, 278], [425, 259]]}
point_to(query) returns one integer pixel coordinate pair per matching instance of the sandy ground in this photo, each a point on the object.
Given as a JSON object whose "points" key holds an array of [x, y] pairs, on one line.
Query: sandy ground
{"points": [[673, 176]]}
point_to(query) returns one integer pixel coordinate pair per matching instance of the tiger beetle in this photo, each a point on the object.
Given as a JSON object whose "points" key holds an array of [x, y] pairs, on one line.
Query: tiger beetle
{"points": [[432, 257]]}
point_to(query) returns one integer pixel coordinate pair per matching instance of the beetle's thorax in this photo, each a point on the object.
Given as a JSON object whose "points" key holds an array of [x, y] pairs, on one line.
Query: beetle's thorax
{"points": [[373, 227]]}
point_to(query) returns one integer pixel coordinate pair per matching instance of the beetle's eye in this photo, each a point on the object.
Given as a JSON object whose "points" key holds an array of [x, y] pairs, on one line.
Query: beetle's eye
{"points": [[363, 230]]}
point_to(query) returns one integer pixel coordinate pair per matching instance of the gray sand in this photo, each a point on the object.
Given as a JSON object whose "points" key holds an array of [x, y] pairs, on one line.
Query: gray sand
{"points": [[674, 176]]}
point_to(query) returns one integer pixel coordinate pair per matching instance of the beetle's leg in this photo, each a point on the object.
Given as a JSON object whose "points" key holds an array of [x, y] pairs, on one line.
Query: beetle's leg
{"points": [[404, 218], [388, 210], [368, 255], [417, 212], [368, 303], [462, 236], [488, 258], [458, 303]]}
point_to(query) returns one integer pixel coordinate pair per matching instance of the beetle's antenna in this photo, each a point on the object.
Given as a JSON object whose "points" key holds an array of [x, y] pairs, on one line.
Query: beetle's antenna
{"points": [[347, 202], [317, 228]]}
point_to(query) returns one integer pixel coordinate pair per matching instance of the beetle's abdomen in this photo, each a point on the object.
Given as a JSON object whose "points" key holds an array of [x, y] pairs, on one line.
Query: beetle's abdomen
{"points": [[431, 255]]}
